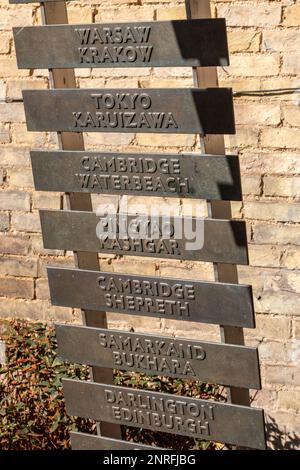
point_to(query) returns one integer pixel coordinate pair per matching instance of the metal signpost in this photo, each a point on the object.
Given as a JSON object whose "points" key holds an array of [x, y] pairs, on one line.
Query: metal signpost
{"points": [[162, 297], [171, 175], [124, 45], [199, 42]]}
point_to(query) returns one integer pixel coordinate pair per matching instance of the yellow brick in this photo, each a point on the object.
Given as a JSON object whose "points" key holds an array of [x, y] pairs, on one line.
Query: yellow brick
{"points": [[124, 72], [280, 302], [269, 328], [258, 14], [23, 137], [14, 156], [104, 203], [282, 186], [265, 398], [171, 13], [270, 163], [15, 87], [239, 84], [291, 115], [4, 134], [163, 72], [135, 323], [275, 83], [280, 212], [154, 82], [165, 140], [21, 178], [236, 209], [244, 137], [292, 15], [186, 270], [286, 399], [146, 205], [257, 114], [134, 265], [12, 112], [251, 184], [94, 139], [8, 68], [281, 138], [42, 289], [278, 234], [243, 40], [115, 82], [291, 64], [25, 222], [254, 65], [79, 15], [264, 255], [45, 200], [281, 40], [41, 73], [194, 208], [2, 90], [5, 41], [15, 16], [139, 13], [91, 82], [291, 257], [83, 72]]}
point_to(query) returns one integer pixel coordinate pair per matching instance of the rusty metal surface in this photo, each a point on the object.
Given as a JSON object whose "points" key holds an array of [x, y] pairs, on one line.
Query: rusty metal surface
{"points": [[171, 175], [83, 441], [163, 297], [223, 240], [204, 419], [170, 110], [160, 355], [187, 43]]}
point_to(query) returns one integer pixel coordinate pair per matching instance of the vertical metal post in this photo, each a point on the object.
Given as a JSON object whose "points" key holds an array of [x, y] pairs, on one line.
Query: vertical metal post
{"points": [[206, 77], [56, 13]]}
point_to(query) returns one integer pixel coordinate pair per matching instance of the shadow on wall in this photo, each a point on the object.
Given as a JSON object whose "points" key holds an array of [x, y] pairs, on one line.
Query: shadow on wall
{"points": [[279, 438]]}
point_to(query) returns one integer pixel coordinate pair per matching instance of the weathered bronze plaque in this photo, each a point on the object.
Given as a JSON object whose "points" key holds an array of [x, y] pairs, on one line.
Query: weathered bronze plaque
{"points": [[204, 419], [163, 297], [82, 441], [221, 241], [190, 175], [188, 43], [170, 110], [160, 355]]}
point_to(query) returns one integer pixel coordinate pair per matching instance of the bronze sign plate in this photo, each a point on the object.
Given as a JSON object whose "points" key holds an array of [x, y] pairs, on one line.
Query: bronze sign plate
{"points": [[162, 297], [186, 43], [171, 175], [204, 419], [224, 241], [169, 110], [160, 355]]}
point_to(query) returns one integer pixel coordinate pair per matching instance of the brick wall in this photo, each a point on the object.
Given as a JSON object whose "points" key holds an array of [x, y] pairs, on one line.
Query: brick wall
{"points": [[264, 43]]}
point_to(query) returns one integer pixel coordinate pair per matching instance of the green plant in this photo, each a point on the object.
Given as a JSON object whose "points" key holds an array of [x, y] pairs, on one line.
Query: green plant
{"points": [[32, 409]]}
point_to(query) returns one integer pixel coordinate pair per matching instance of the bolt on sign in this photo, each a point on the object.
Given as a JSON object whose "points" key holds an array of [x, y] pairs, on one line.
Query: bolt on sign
{"points": [[214, 176]]}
